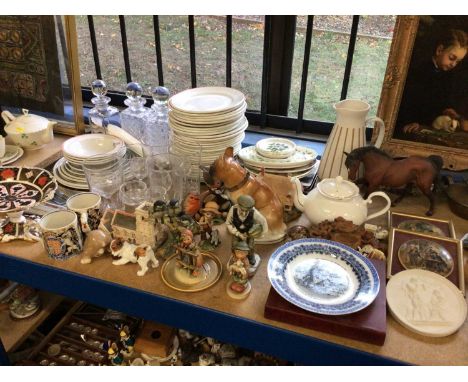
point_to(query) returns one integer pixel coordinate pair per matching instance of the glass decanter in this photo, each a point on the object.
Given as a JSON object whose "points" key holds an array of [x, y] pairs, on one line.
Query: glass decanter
{"points": [[158, 130], [100, 114], [135, 119]]}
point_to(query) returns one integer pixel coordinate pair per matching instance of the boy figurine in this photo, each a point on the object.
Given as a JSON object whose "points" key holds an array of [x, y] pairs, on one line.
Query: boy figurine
{"points": [[189, 257], [246, 223], [209, 236], [239, 286], [127, 341]]}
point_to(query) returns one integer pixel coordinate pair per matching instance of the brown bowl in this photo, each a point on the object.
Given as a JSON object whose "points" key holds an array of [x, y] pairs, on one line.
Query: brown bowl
{"points": [[458, 199]]}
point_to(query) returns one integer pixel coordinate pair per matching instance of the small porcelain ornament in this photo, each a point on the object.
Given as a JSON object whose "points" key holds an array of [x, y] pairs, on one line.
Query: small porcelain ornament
{"points": [[131, 253]]}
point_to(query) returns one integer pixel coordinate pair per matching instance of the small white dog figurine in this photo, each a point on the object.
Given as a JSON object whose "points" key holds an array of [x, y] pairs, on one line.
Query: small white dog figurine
{"points": [[131, 253]]}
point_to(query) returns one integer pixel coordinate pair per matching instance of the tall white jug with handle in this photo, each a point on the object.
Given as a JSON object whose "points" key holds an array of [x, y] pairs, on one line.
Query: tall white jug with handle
{"points": [[348, 133]]}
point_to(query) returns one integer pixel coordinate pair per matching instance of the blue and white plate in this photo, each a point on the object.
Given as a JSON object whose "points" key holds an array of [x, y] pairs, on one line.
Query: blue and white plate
{"points": [[323, 276]]}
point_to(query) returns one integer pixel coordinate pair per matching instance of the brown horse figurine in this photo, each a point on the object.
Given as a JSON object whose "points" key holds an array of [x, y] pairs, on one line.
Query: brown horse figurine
{"points": [[382, 170], [238, 181]]}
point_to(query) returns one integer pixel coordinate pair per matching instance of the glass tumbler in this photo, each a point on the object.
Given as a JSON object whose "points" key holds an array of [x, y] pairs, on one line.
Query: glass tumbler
{"points": [[132, 193], [166, 176], [104, 174]]}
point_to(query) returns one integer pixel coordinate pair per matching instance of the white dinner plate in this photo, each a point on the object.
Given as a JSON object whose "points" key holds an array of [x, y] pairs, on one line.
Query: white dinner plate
{"points": [[211, 120], [426, 302], [87, 145], [323, 276], [275, 147], [207, 99]]}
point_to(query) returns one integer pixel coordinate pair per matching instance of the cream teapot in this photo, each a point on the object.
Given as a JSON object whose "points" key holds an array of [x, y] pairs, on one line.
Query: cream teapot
{"points": [[28, 130], [334, 197]]}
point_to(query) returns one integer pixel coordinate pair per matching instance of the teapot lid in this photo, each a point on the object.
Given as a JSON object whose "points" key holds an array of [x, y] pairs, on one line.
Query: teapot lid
{"points": [[27, 123], [337, 188]]}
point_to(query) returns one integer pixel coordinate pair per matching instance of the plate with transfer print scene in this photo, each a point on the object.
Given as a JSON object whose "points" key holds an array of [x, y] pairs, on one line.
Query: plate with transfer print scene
{"points": [[323, 276]]}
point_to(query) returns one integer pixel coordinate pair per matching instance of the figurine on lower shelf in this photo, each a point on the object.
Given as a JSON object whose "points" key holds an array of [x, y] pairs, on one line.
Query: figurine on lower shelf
{"points": [[131, 253], [246, 223], [95, 245], [190, 260], [127, 340], [239, 286], [113, 354]]}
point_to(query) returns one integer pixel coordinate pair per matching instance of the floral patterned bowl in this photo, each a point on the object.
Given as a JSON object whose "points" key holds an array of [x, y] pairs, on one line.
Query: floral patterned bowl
{"points": [[23, 187]]}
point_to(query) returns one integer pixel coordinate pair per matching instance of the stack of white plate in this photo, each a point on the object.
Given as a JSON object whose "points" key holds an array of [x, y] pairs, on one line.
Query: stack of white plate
{"points": [[279, 156], [207, 118], [12, 153], [68, 170]]}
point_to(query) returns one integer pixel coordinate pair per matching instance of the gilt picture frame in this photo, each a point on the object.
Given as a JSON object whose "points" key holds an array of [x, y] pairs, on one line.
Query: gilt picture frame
{"points": [[407, 36]]}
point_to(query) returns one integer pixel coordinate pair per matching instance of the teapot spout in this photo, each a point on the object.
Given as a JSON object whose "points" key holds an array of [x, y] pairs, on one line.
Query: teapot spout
{"points": [[299, 197]]}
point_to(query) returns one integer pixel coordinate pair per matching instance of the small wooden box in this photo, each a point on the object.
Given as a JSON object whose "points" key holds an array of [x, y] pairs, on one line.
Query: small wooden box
{"points": [[154, 339]]}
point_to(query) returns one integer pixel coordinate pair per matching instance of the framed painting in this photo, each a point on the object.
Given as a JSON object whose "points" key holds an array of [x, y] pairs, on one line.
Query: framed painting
{"points": [[421, 224], [411, 250], [424, 102], [40, 69]]}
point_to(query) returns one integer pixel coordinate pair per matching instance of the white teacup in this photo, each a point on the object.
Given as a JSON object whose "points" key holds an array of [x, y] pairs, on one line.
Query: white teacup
{"points": [[86, 204], [60, 234]]}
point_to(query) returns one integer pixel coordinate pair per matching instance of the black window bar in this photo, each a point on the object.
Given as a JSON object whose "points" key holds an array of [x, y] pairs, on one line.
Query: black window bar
{"points": [[262, 117], [193, 64], [157, 43], [305, 73], [228, 51], [92, 36], [123, 32]]}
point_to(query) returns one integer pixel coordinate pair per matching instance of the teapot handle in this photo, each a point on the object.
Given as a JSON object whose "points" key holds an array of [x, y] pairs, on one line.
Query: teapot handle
{"points": [[383, 210], [7, 116], [381, 127]]}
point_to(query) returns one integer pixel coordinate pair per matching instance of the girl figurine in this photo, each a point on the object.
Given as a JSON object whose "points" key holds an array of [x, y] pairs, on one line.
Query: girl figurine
{"points": [[239, 286]]}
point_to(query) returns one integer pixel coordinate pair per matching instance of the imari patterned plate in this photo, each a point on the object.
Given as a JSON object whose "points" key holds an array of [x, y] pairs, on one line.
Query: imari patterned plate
{"points": [[323, 276], [23, 187]]}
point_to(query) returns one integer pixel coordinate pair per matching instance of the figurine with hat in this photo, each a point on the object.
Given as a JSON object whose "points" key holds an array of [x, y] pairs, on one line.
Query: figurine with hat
{"points": [[245, 223], [239, 286], [209, 237]]}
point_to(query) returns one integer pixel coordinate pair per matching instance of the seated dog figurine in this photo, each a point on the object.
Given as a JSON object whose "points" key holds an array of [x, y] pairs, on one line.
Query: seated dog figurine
{"points": [[131, 253], [95, 245], [238, 181]]}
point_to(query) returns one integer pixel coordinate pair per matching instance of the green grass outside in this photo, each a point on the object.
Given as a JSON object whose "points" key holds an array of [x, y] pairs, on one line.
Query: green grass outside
{"points": [[326, 67]]}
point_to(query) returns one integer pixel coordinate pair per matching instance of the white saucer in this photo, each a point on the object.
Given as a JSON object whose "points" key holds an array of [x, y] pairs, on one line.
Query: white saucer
{"points": [[12, 153], [84, 146]]}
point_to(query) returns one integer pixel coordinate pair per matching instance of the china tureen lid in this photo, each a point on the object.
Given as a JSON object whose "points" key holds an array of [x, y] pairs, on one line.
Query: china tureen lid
{"points": [[337, 188], [27, 123]]}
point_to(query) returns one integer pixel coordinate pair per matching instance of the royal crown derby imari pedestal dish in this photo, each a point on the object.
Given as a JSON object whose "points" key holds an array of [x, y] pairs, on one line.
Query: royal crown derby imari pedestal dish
{"points": [[20, 189]]}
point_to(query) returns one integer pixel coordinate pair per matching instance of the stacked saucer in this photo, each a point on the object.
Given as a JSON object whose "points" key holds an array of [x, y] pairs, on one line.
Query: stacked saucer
{"points": [[279, 156], [207, 118], [12, 153], [68, 170]]}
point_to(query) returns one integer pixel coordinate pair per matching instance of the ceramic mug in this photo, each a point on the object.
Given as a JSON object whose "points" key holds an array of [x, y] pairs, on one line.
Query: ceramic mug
{"points": [[60, 234], [86, 204]]}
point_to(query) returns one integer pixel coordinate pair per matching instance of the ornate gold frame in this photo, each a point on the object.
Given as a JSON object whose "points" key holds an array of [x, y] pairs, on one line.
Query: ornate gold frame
{"points": [[394, 82], [75, 85]]}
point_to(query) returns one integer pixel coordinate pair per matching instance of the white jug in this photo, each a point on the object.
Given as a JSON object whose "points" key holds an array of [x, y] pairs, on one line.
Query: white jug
{"points": [[348, 133]]}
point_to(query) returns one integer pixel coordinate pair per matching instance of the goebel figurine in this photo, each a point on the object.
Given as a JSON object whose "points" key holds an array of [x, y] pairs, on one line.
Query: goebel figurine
{"points": [[189, 258], [131, 253], [239, 286], [246, 224]]}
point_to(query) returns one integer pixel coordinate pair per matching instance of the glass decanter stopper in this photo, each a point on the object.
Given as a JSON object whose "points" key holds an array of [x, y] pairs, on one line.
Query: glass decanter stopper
{"points": [[158, 132], [100, 114], [135, 118]]}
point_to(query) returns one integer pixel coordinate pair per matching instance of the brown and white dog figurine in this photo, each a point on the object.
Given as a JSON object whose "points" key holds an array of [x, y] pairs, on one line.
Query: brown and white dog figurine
{"points": [[131, 253], [95, 245], [238, 181]]}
